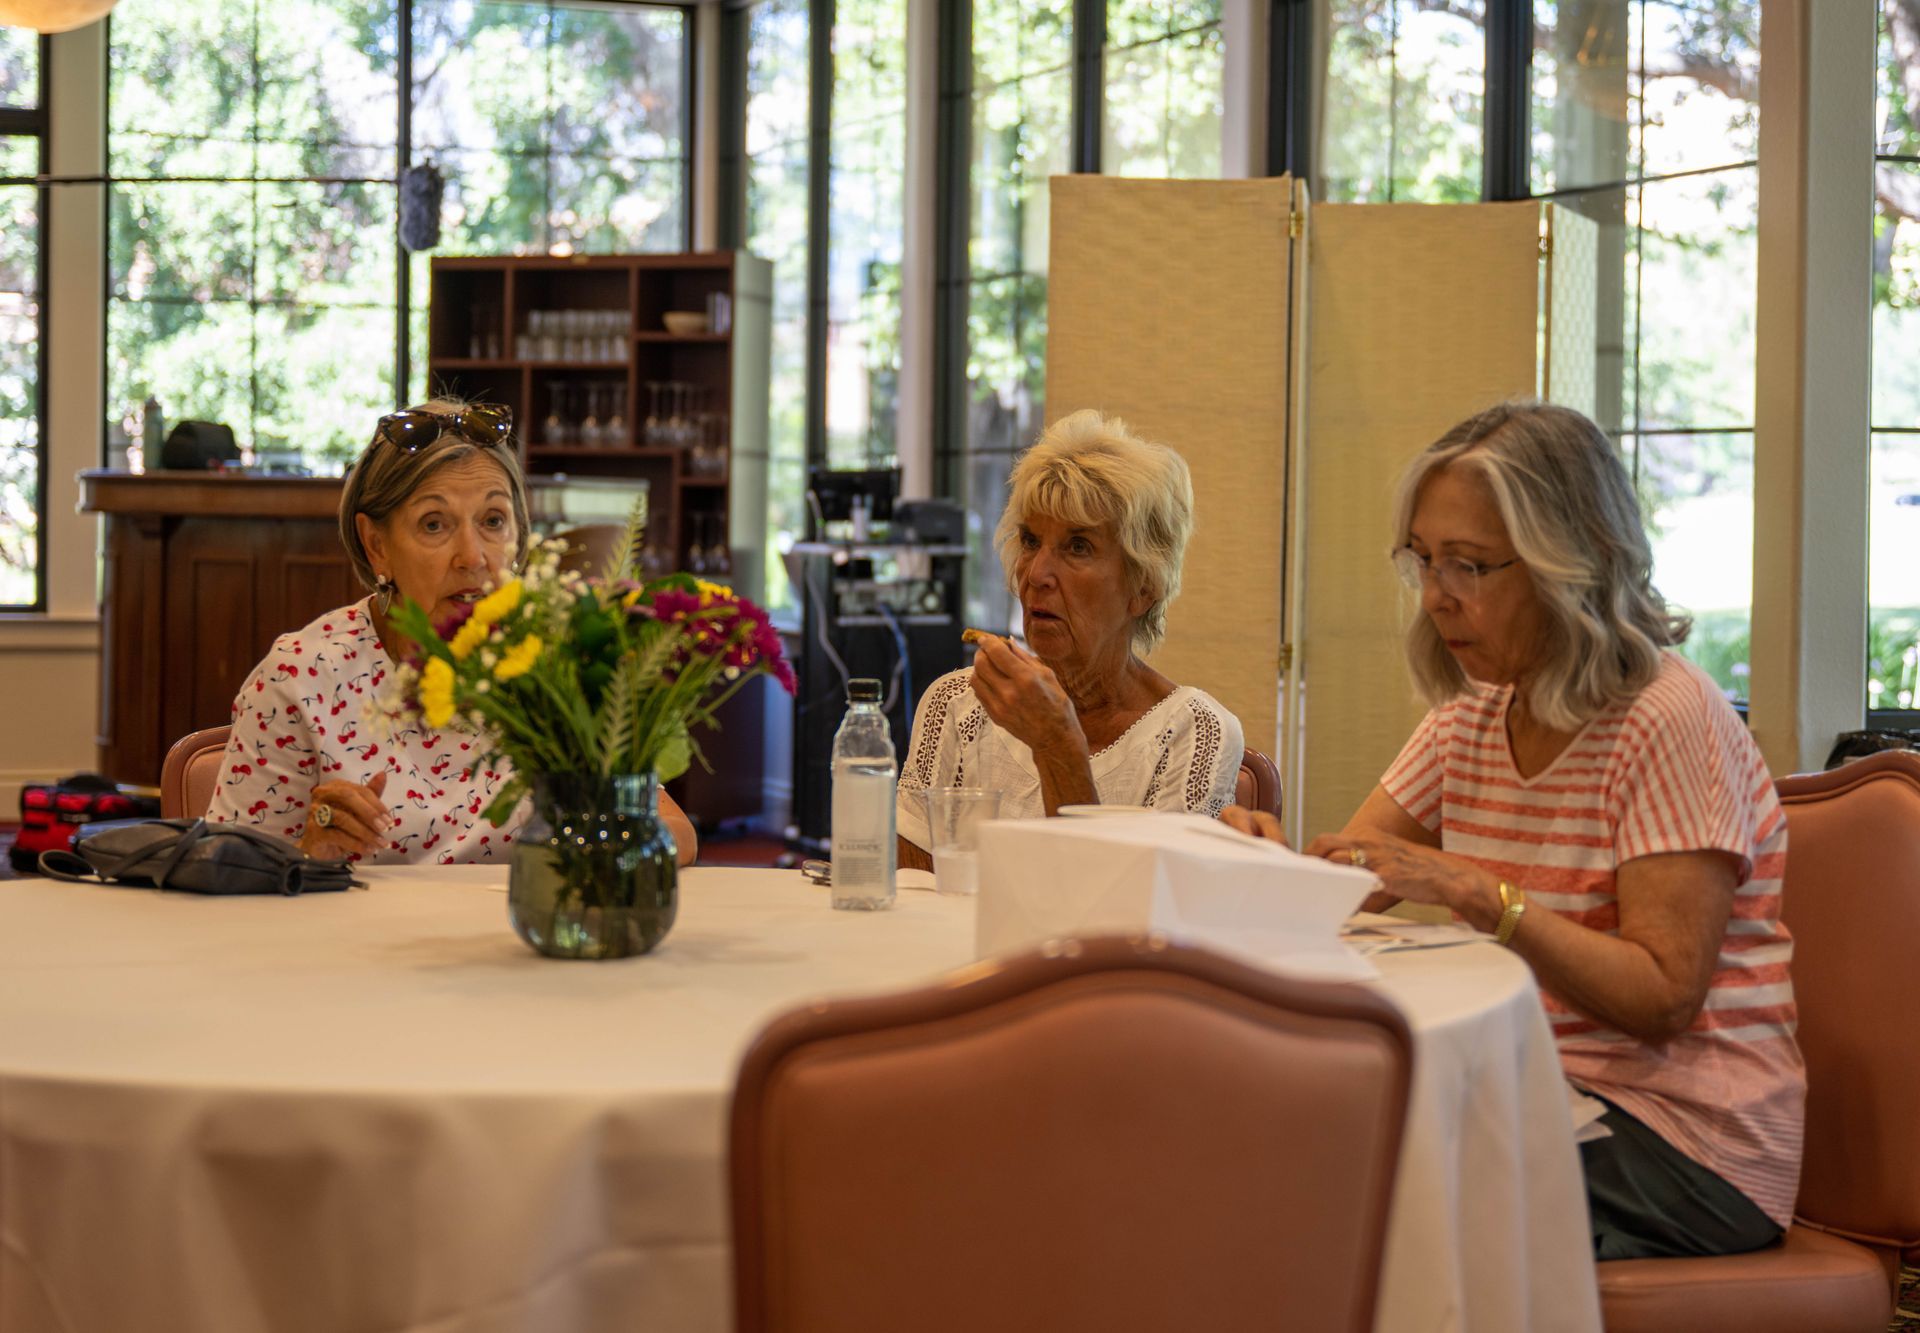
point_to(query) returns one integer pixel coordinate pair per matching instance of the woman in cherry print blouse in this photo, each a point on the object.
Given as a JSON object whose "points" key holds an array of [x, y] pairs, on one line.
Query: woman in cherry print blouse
{"points": [[435, 509]]}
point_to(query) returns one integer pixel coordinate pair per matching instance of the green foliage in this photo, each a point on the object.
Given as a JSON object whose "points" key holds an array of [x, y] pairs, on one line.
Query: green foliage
{"points": [[1893, 658], [1721, 645], [271, 305]]}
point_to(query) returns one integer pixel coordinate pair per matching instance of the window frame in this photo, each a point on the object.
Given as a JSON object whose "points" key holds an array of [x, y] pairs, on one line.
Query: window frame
{"points": [[36, 123], [404, 15], [1893, 719]]}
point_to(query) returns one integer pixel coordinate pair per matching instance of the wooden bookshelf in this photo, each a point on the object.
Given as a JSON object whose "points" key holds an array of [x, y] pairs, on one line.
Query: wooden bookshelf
{"points": [[478, 324]]}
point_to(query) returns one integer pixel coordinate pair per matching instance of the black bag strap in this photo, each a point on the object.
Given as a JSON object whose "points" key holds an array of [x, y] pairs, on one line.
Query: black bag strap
{"points": [[59, 863], [189, 835]]}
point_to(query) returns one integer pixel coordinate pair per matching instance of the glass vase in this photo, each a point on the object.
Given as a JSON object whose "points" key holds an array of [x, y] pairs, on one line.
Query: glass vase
{"points": [[593, 873]]}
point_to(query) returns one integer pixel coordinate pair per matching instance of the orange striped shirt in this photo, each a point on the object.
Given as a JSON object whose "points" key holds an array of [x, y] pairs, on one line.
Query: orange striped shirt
{"points": [[1674, 770]]}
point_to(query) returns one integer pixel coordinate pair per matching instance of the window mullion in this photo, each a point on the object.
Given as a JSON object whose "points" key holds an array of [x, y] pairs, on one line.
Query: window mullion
{"points": [[1506, 171], [1089, 87]]}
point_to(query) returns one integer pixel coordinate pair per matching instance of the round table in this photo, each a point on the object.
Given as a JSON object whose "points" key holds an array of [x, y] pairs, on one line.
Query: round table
{"points": [[378, 1111]]}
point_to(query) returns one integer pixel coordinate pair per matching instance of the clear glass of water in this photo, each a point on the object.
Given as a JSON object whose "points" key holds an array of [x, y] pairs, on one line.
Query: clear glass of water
{"points": [[954, 815]]}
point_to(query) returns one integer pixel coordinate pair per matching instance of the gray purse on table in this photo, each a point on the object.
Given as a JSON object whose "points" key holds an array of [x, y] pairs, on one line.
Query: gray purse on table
{"points": [[196, 857]]}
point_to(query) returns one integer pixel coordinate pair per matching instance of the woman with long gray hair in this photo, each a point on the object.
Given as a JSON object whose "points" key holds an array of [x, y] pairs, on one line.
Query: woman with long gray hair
{"points": [[1589, 797]]}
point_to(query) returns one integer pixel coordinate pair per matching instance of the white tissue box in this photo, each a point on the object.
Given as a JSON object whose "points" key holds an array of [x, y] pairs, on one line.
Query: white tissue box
{"points": [[1191, 878]]}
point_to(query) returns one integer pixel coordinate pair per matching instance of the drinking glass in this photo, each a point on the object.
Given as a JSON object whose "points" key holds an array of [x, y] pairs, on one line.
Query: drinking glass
{"points": [[954, 817]]}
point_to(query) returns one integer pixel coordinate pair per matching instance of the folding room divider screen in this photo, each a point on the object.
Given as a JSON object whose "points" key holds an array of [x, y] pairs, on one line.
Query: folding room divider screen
{"points": [[1297, 356]]}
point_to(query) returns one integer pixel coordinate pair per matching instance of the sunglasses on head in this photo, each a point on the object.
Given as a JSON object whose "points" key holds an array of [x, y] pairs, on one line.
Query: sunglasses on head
{"points": [[483, 424]]}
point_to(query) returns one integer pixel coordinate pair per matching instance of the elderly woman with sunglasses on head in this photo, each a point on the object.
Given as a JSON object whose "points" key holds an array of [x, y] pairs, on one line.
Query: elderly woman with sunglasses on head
{"points": [[435, 510], [1588, 796]]}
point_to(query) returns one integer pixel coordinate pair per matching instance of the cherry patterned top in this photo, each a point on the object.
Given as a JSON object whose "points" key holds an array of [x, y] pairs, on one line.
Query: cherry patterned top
{"points": [[300, 720]]}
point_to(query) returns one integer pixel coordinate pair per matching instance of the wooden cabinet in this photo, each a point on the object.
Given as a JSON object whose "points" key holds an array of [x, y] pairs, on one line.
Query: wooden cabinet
{"points": [[202, 574], [558, 338]]}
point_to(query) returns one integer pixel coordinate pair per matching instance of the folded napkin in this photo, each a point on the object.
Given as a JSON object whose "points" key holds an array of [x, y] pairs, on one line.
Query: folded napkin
{"points": [[1185, 876]]}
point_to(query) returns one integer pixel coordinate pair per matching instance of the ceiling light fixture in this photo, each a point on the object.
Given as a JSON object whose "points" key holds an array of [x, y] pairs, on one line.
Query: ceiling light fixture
{"points": [[52, 15]]}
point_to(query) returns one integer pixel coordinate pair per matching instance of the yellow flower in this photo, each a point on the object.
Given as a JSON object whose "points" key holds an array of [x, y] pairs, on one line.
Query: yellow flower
{"points": [[709, 591], [469, 636], [436, 691], [519, 659], [499, 603], [486, 612]]}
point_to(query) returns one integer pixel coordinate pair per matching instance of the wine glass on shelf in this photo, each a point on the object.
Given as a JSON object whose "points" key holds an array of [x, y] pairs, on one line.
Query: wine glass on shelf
{"points": [[590, 423], [556, 429], [614, 432], [650, 431]]}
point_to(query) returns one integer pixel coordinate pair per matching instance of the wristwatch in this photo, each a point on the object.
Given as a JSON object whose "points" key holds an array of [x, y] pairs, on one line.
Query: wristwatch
{"points": [[1513, 906]]}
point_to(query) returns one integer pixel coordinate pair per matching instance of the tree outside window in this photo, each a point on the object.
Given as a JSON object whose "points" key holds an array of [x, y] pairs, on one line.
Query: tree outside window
{"points": [[253, 259]]}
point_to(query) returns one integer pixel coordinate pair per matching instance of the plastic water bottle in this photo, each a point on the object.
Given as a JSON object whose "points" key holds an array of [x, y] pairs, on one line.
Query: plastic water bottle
{"points": [[863, 795]]}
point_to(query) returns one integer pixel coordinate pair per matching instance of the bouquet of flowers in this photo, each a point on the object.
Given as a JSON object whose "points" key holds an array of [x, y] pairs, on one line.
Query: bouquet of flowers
{"points": [[569, 674]]}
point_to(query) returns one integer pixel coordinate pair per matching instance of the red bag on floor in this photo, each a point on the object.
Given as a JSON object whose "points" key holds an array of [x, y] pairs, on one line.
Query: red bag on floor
{"points": [[51, 814]]}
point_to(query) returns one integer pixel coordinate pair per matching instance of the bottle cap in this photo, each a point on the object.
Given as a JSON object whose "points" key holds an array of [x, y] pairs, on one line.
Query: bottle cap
{"points": [[863, 691]]}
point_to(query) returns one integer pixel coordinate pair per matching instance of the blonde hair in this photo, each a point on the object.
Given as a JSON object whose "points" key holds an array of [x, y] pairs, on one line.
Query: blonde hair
{"points": [[1571, 513], [1090, 471], [385, 476]]}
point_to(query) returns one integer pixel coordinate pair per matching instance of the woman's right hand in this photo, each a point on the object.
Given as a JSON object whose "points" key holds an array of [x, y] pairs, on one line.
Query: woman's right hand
{"points": [[360, 820], [1254, 823]]}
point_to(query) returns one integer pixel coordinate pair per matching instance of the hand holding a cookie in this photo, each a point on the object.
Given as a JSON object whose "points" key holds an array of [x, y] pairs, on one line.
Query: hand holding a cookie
{"points": [[1024, 698]]}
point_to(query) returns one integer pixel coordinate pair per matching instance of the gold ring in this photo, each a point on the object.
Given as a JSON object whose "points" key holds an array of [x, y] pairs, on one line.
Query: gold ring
{"points": [[1357, 857], [323, 815]]}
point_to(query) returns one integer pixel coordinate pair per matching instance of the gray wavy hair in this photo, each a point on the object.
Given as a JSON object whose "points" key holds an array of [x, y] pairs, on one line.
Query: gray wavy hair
{"points": [[1090, 470], [384, 477], [1573, 518]]}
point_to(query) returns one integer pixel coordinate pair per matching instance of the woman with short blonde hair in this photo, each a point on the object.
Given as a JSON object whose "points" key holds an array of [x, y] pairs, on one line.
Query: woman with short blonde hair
{"points": [[1589, 797], [1092, 471], [1092, 539]]}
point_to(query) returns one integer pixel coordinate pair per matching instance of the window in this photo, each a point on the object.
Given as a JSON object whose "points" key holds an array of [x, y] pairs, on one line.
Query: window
{"points": [[1645, 120], [1125, 87], [865, 231], [1164, 102], [255, 272], [22, 416], [1402, 109], [778, 122], [1020, 106], [1893, 578]]}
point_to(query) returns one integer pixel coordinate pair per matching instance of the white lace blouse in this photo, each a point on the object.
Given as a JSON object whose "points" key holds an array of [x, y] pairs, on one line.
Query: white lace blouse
{"points": [[1183, 754]]}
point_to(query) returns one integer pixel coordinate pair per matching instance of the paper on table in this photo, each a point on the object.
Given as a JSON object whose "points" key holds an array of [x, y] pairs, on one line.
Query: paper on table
{"points": [[1184, 875], [1369, 933]]}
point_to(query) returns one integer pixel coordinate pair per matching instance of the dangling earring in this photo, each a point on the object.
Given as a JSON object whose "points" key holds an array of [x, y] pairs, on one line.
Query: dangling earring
{"points": [[383, 588]]}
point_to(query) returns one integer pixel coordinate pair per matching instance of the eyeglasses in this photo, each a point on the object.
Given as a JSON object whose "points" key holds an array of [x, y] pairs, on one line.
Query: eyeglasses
{"points": [[483, 424], [1458, 578]]}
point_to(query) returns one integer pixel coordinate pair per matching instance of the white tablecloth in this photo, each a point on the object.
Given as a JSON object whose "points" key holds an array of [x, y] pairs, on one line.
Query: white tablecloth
{"points": [[378, 1111]]}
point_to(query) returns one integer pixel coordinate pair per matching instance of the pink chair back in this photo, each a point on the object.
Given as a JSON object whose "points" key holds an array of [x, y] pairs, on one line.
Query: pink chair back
{"points": [[191, 769], [1127, 1136]]}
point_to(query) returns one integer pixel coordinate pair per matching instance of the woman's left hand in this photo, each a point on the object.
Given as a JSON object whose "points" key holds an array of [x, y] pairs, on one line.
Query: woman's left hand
{"points": [[1419, 874], [1023, 697]]}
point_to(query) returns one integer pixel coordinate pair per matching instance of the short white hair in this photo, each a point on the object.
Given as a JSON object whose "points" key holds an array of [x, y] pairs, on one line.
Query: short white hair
{"points": [[1090, 470], [1571, 513]]}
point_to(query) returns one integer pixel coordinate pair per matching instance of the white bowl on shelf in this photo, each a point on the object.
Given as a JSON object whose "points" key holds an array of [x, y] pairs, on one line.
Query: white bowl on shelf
{"points": [[684, 322]]}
